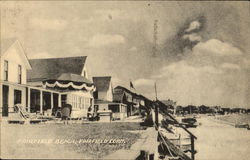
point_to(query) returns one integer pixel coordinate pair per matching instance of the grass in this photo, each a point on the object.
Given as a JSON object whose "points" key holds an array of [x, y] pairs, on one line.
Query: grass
{"points": [[13, 133], [236, 118]]}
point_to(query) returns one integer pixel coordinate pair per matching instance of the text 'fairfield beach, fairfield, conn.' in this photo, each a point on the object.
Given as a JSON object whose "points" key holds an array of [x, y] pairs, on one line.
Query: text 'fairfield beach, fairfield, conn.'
{"points": [[72, 141]]}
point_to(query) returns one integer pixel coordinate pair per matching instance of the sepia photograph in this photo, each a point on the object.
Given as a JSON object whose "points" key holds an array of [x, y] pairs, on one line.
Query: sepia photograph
{"points": [[125, 80]]}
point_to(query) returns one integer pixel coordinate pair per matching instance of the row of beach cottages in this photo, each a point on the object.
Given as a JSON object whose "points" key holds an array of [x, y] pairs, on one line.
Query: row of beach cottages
{"points": [[44, 85]]}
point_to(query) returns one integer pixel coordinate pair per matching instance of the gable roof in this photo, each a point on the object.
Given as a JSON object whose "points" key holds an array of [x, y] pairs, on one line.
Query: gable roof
{"points": [[118, 96], [124, 89], [5, 44], [52, 68], [102, 83]]}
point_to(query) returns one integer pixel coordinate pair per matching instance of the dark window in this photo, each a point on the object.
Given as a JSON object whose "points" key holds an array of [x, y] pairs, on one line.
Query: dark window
{"points": [[6, 70], [95, 94], [114, 108], [19, 74], [17, 96], [64, 100]]}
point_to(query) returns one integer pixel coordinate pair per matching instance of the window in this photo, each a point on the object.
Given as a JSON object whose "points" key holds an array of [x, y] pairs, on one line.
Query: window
{"points": [[84, 73], [87, 102], [64, 99], [82, 102], [95, 94], [114, 108], [19, 74], [17, 96], [6, 69]]}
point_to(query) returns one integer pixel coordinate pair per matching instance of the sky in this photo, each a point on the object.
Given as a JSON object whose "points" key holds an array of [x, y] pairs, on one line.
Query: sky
{"points": [[202, 48]]}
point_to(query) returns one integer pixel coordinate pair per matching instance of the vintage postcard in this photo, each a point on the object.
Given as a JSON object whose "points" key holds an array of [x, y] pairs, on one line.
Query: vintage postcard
{"points": [[132, 80]]}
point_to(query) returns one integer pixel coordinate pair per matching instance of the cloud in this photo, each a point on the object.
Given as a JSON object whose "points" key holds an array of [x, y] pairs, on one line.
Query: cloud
{"points": [[40, 55], [192, 37], [116, 81], [185, 37], [104, 40], [246, 63], [48, 24], [182, 67], [230, 66], [193, 26], [217, 48], [133, 49], [143, 82]]}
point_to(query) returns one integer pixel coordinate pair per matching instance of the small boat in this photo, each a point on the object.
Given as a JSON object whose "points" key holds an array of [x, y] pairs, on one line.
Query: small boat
{"points": [[244, 125], [189, 122]]}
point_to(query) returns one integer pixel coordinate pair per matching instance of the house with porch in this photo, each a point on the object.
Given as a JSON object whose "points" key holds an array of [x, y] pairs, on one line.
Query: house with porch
{"points": [[131, 99], [104, 98], [54, 82], [136, 103], [13, 73], [43, 85]]}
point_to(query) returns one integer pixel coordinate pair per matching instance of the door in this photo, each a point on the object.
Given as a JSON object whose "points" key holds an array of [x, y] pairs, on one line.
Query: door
{"points": [[5, 110], [17, 97]]}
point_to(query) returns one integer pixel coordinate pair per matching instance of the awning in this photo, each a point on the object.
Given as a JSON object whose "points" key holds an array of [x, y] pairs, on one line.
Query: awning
{"points": [[69, 80]]}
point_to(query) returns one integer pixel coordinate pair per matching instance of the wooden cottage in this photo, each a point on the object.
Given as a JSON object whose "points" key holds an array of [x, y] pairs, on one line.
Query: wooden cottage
{"points": [[104, 98], [57, 81], [132, 100], [13, 70]]}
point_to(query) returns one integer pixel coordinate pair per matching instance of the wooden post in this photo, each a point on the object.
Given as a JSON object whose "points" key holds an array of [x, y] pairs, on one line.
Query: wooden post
{"points": [[192, 148], [51, 101], [29, 93], [151, 157], [41, 101], [156, 115], [59, 100]]}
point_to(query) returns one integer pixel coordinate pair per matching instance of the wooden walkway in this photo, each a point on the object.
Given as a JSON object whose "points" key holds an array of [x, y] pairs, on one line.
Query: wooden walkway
{"points": [[147, 142]]}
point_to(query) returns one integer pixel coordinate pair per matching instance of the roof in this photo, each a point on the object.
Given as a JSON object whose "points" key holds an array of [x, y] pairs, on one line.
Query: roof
{"points": [[73, 78], [124, 89], [52, 68], [118, 96], [6, 44], [128, 91], [102, 83]]}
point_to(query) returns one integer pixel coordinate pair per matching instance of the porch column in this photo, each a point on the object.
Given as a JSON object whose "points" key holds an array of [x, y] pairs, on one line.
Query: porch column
{"points": [[1, 98], [84, 103], [59, 100], [11, 99], [41, 101], [29, 90], [92, 102], [51, 100], [120, 107]]}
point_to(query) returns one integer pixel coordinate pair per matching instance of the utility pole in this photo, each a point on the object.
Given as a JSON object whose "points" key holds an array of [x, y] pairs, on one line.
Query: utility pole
{"points": [[155, 92], [155, 37], [156, 108]]}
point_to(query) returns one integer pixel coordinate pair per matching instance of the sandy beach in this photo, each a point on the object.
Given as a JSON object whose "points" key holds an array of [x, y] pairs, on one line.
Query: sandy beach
{"points": [[221, 141]]}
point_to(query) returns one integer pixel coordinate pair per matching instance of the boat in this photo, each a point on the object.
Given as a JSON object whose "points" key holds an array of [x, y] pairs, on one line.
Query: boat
{"points": [[189, 122], [243, 125]]}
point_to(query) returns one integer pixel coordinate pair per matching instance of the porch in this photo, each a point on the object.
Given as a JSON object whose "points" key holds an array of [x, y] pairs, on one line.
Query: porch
{"points": [[43, 101], [119, 110]]}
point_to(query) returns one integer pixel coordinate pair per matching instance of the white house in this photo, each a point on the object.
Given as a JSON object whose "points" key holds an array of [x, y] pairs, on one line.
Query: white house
{"points": [[13, 71], [59, 81], [104, 98]]}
